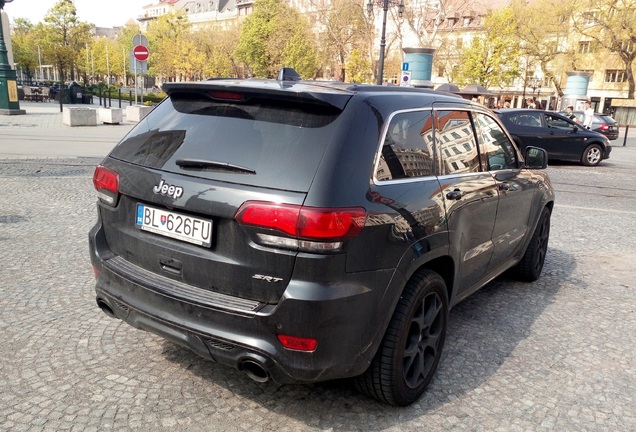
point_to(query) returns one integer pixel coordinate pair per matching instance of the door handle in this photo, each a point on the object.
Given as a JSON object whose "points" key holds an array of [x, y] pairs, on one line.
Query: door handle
{"points": [[455, 195]]}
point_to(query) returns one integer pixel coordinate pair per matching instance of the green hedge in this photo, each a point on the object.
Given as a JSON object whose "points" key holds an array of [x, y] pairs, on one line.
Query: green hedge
{"points": [[149, 98]]}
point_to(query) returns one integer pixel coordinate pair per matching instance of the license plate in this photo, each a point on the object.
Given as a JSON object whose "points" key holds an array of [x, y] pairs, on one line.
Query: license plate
{"points": [[175, 225]]}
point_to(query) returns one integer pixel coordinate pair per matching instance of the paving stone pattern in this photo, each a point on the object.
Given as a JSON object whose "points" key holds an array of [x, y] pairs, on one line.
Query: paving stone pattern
{"points": [[554, 355]]}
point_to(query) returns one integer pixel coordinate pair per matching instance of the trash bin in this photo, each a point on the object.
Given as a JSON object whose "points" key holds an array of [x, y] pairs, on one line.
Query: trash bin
{"points": [[76, 93]]}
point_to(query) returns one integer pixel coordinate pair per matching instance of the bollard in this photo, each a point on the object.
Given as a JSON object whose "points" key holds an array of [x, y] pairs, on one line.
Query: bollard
{"points": [[625, 139], [119, 97], [129, 97]]}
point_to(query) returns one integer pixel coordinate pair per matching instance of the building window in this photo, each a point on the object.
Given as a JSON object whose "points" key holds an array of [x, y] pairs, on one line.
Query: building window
{"points": [[615, 76], [584, 47], [589, 18]]}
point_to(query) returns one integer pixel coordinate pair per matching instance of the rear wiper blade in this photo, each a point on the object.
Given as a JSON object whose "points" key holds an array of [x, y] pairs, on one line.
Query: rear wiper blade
{"points": [[209, 164]]}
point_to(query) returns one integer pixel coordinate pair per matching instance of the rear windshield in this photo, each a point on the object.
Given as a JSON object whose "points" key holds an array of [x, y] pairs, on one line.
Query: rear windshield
{"points": [[606, 119], [261, 142]]}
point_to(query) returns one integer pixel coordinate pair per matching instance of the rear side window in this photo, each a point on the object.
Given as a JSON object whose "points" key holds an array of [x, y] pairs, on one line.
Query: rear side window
{"points": [[407, 150], [276, 143], [456, 140], [605, 119], [531, 119]]}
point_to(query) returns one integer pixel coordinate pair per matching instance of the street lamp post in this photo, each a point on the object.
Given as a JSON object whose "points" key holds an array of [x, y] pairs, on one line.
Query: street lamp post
{"points": [[9, 103], [535, 83], [385, 8]]}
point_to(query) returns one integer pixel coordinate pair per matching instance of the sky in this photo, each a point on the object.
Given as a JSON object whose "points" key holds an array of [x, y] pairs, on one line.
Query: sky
{"points": [[102, 13]]}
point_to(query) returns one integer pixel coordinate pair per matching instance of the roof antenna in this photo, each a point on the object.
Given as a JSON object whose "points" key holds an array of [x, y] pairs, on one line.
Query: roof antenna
{"points": [[288, 74]]}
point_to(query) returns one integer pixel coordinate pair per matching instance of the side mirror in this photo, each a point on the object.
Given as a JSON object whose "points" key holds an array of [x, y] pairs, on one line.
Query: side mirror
{"points": [[536, 158]]}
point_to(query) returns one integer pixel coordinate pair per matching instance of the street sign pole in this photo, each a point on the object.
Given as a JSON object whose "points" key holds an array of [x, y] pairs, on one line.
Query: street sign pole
{"points": [[136, 78], [140, 53]]}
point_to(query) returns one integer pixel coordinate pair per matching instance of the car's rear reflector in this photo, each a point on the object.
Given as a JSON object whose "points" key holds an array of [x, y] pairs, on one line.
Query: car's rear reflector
{"points": [[298, 343]]}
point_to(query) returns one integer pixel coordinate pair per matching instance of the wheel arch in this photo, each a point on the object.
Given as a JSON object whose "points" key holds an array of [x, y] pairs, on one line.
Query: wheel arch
{"points": [[442, 265]]}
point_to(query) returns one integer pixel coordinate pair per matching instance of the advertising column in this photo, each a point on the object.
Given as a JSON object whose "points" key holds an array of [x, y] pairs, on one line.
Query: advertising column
{"points": [[420, 66]]}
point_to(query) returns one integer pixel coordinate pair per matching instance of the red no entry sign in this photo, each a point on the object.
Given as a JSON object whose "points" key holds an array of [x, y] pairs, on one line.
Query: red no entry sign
{"points": [[141, 53]]}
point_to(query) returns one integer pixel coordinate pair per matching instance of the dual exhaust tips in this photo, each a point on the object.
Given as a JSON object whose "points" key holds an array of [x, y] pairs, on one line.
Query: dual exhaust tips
{"points": [[253, 367]]}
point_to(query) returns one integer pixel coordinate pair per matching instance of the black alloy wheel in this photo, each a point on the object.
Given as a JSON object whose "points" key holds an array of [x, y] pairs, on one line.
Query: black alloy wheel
{"points": [[530, 267], [412, 346]]}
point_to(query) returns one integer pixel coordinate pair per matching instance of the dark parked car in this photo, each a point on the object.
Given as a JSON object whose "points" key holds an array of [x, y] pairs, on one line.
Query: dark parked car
{"points": [[303, 231], [601, 123], [562, 138]]}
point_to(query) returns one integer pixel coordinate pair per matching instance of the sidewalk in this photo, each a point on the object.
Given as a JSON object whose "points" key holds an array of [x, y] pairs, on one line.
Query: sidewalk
{"points": [[40, 133]]}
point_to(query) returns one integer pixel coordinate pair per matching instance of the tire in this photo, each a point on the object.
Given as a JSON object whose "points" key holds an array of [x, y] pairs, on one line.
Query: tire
{"points": [[530, 267], [593, 155], [412, 345]]}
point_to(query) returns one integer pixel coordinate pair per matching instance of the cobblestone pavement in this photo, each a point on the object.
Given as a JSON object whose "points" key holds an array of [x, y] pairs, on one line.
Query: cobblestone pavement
{"points": [[558, 354]]}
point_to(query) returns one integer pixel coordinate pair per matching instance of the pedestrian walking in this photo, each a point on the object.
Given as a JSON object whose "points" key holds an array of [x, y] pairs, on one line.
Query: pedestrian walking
{"points": [[589, 115], [570, 114]]}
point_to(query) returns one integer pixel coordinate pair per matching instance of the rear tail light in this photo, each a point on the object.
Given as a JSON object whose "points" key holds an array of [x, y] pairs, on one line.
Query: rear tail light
{"points": [[106, 182], [313, 229], [605, 127]]}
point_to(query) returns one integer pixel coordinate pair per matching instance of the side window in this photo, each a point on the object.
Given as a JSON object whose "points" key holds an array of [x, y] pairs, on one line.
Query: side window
{"points": [[407, 151], [456, 140], [557, 122], [494, 144], [531, 119]]}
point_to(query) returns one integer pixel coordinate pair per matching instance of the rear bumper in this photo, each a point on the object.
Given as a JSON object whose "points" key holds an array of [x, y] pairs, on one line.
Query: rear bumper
{"points": [[347, 318], [611, 135]]}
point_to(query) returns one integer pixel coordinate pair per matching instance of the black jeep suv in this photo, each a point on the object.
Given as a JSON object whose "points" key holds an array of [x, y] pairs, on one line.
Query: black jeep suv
{"points": [[304, 231]]}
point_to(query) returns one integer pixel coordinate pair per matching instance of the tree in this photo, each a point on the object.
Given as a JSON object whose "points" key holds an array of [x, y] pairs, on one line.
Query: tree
{"points": [[63, 37], [342, 28], [106, 59], [425, 19], [542, 30], [491, 59], [271, 36], [167, 36], [218, 48], [125, 45], [358, 68], [25, 47], [612, 24]]}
